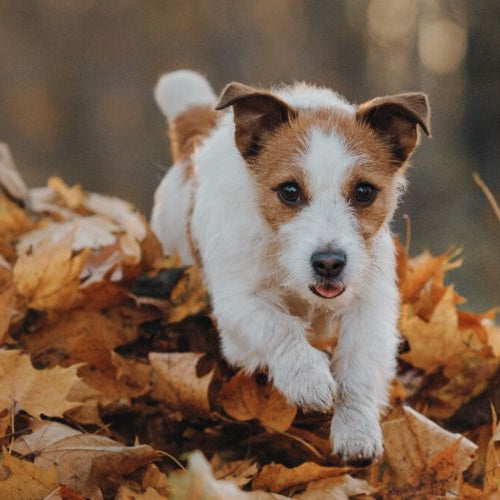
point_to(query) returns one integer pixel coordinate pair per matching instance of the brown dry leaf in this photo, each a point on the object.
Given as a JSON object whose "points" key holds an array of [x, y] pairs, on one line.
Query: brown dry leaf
{"points": [[49, 277], [72, 197], [35, 391], [492, 468], [176, 383], [433, 343], [23, 480], [10, 178], [64, 493], [412, 442], [13, 222], [336, 488], [239, 472], [198, 483], [244, 399], [85, 462], [154, 478], [89, 336], [7, 303], [277, 477]]}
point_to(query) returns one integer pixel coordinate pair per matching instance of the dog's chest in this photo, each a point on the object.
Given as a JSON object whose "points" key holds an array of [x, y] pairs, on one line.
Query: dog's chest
{"points": [[324, 326]]}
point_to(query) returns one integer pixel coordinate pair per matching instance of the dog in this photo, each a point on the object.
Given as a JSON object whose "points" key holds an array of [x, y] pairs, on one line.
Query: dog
{"points": [[284, 197]]}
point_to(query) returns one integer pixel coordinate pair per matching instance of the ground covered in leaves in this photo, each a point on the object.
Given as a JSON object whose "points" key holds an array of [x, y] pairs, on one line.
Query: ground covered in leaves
{"points": [[111, 383]]}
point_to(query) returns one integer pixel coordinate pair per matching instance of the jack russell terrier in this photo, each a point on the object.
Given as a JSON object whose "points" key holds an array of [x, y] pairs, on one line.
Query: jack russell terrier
{"points": [[285, 202]]}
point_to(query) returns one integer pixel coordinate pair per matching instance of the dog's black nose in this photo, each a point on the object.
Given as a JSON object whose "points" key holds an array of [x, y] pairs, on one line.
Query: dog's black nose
{"points": [[328, 264]]}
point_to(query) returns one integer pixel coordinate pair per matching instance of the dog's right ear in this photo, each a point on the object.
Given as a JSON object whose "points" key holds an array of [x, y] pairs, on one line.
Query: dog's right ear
{"points": [[256, 114]]}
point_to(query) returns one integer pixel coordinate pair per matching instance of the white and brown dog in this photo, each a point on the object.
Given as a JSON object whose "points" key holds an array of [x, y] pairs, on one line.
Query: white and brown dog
{"points": [[286, 201]]}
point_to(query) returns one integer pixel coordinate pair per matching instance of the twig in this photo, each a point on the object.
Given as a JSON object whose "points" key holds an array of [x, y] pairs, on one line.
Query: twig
{"points": [[161, 452], [304, 443], [489, 195]]}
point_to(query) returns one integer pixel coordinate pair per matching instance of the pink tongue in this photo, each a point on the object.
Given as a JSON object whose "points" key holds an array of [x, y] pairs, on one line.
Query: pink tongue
{"points": [[329, 292]]}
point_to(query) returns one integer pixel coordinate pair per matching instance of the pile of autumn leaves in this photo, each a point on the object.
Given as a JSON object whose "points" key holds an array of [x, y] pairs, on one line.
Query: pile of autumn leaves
{"points": [[110, 376]]}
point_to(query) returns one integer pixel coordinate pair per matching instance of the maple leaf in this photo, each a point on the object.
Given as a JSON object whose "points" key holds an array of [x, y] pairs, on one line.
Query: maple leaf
{"points": [[244, 399], [176, 383], [35, 391], [412, 442], [49, 277], [337, 488], [85, 462], [23, 480], [433, 343], [277, 477]]}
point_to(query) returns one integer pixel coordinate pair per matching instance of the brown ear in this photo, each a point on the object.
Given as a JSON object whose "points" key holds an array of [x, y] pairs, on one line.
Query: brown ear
{"points": [[256, 114], [395, 118]]}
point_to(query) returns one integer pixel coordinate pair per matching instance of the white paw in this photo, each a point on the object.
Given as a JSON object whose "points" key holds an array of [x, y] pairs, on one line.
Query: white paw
{"points": [[356, 436], [305, 379]]}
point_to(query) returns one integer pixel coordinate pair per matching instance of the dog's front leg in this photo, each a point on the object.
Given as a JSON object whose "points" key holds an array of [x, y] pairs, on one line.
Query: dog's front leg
{"points": [[257, 332], [364, 365]]}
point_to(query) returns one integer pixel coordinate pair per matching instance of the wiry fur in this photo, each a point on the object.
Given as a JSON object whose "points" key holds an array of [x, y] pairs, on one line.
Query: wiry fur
{"points": [[256, 254]]}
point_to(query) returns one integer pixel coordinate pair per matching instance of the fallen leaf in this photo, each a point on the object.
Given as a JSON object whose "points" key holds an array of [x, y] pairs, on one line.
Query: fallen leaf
{"points": [[433, 343], [336, 488], [277, 477], [412, 442], [10, 178], [244, 399], [72, 197], [176, 383], [239, 472], [35, 391], [7, 305], [23, 480], [119, 211], [49, 277], [85, 462], [64, 493]]}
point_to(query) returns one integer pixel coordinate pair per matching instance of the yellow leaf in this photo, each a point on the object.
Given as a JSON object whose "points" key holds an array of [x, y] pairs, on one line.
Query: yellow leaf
{"points": [[35, 391], [433, 343], [49, 277], [23, 480]]}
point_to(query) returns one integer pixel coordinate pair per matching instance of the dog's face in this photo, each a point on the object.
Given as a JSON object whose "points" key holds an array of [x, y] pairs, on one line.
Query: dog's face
{"points": [[327, 180]]}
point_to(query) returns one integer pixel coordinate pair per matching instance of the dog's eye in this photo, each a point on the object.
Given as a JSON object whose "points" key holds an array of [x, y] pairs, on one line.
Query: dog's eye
{"points": [[289, 193], [364, 194]]}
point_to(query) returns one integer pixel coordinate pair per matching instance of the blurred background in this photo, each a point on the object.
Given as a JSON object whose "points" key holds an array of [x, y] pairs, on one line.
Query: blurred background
{"points": [[77, 76]]}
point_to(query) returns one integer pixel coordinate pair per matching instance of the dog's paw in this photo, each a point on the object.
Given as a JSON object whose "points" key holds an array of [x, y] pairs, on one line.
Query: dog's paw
{"points": [[305, 379], [356, 437]]}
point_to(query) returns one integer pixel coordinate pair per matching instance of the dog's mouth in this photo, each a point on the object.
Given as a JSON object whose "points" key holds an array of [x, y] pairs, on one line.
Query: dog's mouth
{"points": [[328, 291]]}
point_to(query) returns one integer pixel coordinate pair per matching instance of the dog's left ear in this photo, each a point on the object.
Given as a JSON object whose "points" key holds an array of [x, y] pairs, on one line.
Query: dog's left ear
{"points": [[256, 114], [395, 118]]}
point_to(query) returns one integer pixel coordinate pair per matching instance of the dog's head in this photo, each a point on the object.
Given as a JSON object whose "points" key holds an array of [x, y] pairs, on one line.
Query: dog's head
{"points": [[327, 178]]}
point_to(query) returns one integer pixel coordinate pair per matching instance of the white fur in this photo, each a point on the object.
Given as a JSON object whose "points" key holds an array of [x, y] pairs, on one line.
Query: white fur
{"points": [[177, 91], [247, 281]]}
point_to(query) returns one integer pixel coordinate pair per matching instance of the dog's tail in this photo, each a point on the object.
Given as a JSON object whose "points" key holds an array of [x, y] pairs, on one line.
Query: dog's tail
{"points": [[187, 100]]}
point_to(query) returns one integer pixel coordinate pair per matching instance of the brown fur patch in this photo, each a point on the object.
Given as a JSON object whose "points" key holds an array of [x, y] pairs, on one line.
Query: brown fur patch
{"points": [[189, 129], [278, 162]]}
